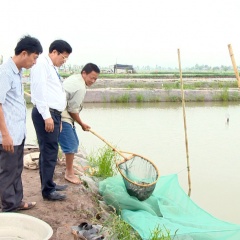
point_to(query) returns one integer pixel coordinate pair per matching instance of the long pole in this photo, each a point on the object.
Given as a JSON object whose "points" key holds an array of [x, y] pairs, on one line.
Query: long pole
{"points": [[111, 146], [185, 125], [27, 94], [234, 64]]}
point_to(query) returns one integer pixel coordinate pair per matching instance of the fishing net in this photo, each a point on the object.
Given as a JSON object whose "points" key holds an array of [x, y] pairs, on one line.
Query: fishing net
{"points": [[168, 212], [140, 176]]}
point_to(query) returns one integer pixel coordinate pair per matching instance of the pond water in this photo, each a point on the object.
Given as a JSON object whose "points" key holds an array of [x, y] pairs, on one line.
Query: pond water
{"points": [[156, 130]]}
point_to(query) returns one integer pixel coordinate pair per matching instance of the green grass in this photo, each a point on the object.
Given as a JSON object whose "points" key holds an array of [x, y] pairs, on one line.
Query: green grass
{"points": [[161, 234], [119, 229], [235, 97], [103, 162], [121, 99], [145, 85], [173, 99], [140, 98]]}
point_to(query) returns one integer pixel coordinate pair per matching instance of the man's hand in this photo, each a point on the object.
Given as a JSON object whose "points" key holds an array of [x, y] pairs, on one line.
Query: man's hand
{"points": [[49, 125], [7, 143], [85, 127]]}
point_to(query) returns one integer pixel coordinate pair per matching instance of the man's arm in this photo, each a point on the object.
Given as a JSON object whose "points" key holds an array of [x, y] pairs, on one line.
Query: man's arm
{"points": [[7, 141], [76, 118]]}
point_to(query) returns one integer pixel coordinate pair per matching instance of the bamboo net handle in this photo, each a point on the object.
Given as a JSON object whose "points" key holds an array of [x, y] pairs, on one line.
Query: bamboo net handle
{"points": [[234, 64], [114, 149], [185, 125]]}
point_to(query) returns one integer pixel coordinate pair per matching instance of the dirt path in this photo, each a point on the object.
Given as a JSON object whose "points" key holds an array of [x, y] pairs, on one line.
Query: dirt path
{"points": [[81, 203]]}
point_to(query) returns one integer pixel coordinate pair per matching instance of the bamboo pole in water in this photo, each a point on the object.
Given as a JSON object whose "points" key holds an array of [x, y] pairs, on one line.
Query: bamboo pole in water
{"points": [[234, 64], [185, 125]]}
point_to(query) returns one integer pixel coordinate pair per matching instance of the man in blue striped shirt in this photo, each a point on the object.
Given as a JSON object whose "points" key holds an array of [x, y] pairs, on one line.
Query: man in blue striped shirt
{"points": [[13, 123]]}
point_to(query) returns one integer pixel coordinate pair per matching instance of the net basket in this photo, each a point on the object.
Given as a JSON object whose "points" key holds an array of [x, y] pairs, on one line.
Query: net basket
{"points": [[140, 176]]}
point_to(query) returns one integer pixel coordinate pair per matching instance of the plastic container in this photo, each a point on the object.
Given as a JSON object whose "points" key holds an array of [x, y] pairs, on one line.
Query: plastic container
{"points": [[16, 226]]}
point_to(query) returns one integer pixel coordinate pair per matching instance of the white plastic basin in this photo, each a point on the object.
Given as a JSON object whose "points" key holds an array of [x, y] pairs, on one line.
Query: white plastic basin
{"points": [[16, 226]]}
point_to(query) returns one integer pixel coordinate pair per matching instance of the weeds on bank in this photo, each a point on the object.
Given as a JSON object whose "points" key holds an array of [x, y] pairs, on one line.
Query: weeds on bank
{"points": [[222, 96], [121, 99], [140, 98], [119, 229], [225, 95], [200, 85], [235, 97], [103, 162], [144, 85], [174, 99], [158, 234]]}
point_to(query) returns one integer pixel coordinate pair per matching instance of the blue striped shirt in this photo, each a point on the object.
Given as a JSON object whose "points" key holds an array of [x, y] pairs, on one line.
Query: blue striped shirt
{"points": [[12, 100]]}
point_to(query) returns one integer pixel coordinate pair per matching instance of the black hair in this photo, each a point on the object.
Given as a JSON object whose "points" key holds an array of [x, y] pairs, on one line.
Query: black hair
{"points": [[60, 46], [28, 44], [89, 67]]}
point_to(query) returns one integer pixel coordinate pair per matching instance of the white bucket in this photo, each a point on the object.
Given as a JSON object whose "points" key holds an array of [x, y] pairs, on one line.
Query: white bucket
{"points": [[16, 226]]}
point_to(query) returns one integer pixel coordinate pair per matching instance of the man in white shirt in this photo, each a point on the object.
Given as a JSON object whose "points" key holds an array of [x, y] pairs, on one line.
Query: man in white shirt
{"points": [[13, 123], [49, 100], [75, 87]]}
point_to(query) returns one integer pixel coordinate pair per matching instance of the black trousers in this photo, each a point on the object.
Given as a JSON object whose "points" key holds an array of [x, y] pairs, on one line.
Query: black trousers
{"points": [[48, 146], [11, 189]]}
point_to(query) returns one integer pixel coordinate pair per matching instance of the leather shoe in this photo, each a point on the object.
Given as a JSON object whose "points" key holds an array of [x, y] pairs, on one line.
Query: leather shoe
{"points": [[60, 187], [55, 196]]}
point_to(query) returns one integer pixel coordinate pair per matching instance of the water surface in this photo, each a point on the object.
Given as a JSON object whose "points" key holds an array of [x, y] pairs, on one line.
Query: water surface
{"points": [[156, 130]]}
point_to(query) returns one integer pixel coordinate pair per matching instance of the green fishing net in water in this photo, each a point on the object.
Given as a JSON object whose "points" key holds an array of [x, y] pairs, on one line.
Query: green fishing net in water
{"points": [[168, 208]]}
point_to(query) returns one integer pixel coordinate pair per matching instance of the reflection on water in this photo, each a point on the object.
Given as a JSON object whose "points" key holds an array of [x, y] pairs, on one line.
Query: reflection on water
{"points": [[156, 130]]}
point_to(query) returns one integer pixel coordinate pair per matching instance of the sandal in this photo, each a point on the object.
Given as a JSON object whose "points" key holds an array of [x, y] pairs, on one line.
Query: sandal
{"points": [[26, 205], [86, 231]]}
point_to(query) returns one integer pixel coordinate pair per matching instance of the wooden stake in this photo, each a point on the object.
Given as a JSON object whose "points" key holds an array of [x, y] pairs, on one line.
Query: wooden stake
{"points": [[185, 125], [234, 64]]}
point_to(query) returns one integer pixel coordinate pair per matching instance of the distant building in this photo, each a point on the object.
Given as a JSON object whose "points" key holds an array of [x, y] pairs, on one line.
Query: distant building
{"points": [[121, 68], [106, 70]]}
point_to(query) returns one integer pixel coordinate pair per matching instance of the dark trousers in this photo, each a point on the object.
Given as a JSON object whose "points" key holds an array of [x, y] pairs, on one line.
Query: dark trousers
{"points": [[48, 146], [11, 189]]}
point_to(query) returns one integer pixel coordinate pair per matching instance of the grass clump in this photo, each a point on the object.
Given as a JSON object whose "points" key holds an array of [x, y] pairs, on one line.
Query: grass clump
{"points": [[119, 229], [121, 99], [103, 162], [140, 98], [161, 234]]}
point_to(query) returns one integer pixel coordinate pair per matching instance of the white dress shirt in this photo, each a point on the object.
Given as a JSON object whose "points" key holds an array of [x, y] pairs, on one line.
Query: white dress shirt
{"points": [[46, 87]]}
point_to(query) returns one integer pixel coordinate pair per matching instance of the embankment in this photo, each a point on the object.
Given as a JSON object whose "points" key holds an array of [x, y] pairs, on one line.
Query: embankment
{"points": [[160, 90], [101, 95]]}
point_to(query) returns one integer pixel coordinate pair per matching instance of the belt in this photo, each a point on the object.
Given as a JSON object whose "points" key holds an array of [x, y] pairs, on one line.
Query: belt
{"points": [[55, 111]]}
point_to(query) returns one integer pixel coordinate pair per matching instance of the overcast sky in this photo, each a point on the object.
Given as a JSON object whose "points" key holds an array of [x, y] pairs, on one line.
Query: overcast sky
{"points": [[132, 32]]}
